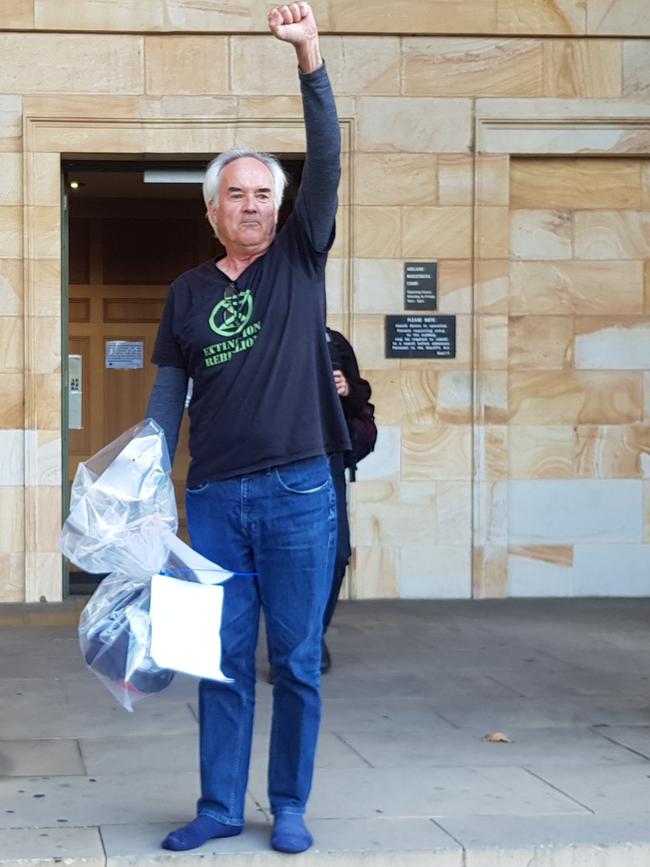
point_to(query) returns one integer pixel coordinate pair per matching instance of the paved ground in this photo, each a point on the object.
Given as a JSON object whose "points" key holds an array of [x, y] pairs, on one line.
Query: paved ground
{"points": [[404, 776]]}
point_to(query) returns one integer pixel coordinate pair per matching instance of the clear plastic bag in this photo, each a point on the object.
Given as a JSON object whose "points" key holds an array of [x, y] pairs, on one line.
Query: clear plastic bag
{"points": [[121, 504], [122, 521], [115, 638]]}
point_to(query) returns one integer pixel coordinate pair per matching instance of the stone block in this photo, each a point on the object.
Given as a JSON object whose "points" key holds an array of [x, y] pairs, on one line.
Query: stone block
{"points": [[11, 344], [415, 125], [383, 464], [12, 569], [378, 232], [580, 397], [455, 180], [43, 403], [394, 514], [43, 453], [44, 504], [11, 130], [368, 342], [405, 396], [492, 286], [454, 396], [11, 231], [636, 69], [11, 179], [541, 234], [611, 570], [171, 15], [540, 343], [11, 287], [583, 68], [612, 452], [612, 234], [12, 469], [11, 401], [491, 389], [576, 287], [455, 281], [575, 183], [45, 287], [607, 343], [454, 512], [532, 575], [490, 572], [43, 185], [492, 180], [436, 572], [543, 17], [543, 451], [375, 574], [618, 18], [492, 342], [44, 575], [491, 452], [396, 179], [186, 65], [378, 286], [364, 64], [440, 453], [646, 510], [472, 67], [17, 15], [44, 227], [414, 16], [575, 511], [491, 512], [12, 511], [55, 63], [46, 331], [492, 239], [437, 233]]}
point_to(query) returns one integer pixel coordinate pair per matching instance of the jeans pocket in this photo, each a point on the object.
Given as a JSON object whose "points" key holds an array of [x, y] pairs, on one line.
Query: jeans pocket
{"points": [[197, 489], [304, 477]]}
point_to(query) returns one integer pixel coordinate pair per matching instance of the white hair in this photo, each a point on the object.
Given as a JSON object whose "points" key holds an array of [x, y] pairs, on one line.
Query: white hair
{"points": [[213, 175]]}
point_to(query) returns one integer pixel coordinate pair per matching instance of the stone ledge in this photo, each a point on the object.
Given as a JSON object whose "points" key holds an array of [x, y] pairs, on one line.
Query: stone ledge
{"points": [[41, 614]]}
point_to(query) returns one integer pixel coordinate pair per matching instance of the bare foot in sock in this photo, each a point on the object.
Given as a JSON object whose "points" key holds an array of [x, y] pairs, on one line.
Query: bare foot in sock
{"points": [[290, 834], [198, 832]]}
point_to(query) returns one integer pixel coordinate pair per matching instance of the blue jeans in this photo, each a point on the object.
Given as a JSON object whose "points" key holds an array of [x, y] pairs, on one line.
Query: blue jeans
{"points": [[279, 526]]}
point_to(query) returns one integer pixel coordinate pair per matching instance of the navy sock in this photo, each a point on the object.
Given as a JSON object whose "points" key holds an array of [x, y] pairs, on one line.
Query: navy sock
{"points": [[197, 832], [290, 834]]}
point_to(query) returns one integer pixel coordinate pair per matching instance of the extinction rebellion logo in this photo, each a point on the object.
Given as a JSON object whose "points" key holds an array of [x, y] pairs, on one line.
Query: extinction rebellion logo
{"points": [[230, 318]]}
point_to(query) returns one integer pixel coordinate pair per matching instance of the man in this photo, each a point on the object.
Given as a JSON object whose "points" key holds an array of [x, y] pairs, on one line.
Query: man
{"points": [[264, 414]]}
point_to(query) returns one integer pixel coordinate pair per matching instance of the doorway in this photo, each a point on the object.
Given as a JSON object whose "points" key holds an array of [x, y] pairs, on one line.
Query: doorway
{"points": [[133, 227]]}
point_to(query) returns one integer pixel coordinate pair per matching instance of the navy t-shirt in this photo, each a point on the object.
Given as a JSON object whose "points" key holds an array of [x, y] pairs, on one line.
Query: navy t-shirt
{"points": [[256, 348]]}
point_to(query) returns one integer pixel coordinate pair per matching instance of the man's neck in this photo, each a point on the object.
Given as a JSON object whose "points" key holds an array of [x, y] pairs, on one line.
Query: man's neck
{"points": [[235, 262]]}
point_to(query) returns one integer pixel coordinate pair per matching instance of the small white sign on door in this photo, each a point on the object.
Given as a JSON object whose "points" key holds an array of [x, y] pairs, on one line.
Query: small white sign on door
{"points": [[125, 354]]}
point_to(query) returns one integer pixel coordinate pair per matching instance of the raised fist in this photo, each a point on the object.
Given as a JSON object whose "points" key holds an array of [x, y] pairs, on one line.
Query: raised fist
{"points": [[294, 23]]}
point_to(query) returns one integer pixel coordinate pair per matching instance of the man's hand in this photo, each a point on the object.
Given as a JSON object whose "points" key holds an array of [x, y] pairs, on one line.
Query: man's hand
{"points": [[296, 25]]}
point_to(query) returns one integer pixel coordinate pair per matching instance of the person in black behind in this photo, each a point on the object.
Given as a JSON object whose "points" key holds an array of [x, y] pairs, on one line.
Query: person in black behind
{"points": [[354, 393]]}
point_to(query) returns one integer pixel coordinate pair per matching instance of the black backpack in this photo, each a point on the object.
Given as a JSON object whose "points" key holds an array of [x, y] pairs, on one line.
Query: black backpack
{"points": [[363, 433], [361, 426]]}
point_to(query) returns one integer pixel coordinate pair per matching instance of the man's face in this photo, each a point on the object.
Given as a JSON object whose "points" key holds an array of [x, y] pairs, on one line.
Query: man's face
{"points": [[246, 216]]}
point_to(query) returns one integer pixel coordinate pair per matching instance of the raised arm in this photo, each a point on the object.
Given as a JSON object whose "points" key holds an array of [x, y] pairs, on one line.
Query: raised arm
{"points": [[296, 25], [317, 201]]}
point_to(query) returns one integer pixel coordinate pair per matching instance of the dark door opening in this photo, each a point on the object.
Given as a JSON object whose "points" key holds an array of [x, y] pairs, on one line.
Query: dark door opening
{"points": [[128, 239]]}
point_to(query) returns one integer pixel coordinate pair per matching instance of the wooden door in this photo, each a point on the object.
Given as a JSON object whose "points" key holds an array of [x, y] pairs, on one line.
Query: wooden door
{"points": [[123, 255]]}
